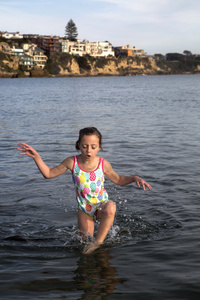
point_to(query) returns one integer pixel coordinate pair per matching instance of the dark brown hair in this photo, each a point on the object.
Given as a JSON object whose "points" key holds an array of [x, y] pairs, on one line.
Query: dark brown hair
{"points": [[89, 131]]}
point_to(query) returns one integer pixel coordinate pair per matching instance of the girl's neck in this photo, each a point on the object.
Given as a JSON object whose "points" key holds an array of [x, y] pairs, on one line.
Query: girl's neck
{"points": [[88, 165]]}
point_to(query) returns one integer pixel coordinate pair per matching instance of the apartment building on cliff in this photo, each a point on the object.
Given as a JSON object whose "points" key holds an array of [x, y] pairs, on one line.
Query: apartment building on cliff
{"points": [[128, 51], [49, 44], [39, 58], [96, 49]]}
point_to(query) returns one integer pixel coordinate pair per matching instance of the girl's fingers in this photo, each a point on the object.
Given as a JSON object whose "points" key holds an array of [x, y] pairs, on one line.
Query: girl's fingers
{"points": [[138, 184], [144, 183], [21, 149], [24, 146], [148, 185]]}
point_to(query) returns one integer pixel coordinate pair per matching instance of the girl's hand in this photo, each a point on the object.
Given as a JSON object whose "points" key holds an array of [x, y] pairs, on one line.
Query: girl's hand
{"points": [[139, 181], [27, 150]]}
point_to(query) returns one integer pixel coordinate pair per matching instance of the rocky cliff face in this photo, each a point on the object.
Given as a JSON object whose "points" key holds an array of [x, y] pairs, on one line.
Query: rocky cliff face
{"points": [[9, 65], [66, 65], [117, 67]]}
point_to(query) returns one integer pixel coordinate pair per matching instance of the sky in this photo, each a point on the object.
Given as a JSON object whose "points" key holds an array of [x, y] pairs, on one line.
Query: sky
{"points": [[157, 26]]}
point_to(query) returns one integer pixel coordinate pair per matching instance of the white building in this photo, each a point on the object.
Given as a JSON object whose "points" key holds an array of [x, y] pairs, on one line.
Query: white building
{"points": [[12, 35], [79, 48], [66, 45], [105, 49], [17, 50], [97, 49]]}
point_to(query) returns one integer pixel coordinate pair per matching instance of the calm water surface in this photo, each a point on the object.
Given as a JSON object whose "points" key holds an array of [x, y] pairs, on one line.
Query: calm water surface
{"points": [[150, 127]]}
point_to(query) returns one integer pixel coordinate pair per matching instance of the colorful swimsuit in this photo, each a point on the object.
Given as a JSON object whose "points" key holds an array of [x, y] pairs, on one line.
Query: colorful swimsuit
{"points": [[90, 192]]}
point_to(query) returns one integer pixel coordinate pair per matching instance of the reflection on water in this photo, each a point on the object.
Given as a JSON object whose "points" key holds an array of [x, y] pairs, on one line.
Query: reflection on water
{"points": [[95, 275]]}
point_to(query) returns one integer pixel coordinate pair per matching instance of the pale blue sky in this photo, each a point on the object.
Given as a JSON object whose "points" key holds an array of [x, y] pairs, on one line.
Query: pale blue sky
{"points": [[157, 26]]}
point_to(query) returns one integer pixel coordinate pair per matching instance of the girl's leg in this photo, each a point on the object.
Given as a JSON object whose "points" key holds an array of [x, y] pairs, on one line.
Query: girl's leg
{"points": [[85, 223], [107, 214]]}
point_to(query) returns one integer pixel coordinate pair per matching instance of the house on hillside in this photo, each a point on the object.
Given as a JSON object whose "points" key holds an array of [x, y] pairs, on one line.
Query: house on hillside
{"points": [[77, 48], [138, 52], [127, 51], [66, 45], [26, 61], [104, 49], [18, 51], [12, 35], [39, 58]]}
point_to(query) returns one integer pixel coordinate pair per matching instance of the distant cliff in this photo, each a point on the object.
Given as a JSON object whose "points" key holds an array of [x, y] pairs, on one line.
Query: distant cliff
{"points": [[67, 65], [63, 64], [9, 65]]}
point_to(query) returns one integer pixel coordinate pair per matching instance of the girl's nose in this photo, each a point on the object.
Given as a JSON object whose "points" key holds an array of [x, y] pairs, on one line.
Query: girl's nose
{"points": [[88, 148]]}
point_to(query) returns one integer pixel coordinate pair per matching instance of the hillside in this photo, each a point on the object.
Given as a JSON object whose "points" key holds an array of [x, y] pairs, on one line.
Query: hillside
{"points": [[63, 64]]}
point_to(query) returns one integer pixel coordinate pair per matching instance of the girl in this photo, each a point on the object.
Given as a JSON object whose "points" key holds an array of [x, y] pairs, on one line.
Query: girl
{"points": [[88, 172]]}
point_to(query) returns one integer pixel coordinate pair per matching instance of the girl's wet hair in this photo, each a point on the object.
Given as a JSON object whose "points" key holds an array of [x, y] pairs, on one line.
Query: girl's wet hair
{"points": [[89, 131]]}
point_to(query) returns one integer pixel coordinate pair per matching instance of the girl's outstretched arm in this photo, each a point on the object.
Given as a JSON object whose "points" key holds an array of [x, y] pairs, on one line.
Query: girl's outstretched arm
{"points": [[25, 149], [123, 180]]}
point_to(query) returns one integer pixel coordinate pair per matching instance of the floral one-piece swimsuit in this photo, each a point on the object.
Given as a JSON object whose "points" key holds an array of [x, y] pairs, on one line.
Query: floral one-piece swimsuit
{"points": [[90, 192]]}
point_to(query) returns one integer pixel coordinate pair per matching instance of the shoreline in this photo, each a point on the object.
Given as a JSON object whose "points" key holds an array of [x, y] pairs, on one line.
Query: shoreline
{"points": [[15, 76]]}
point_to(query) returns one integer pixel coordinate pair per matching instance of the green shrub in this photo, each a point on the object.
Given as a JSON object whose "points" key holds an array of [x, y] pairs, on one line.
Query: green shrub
{"points": [[52, 67], [83, 63], [101, 62]]}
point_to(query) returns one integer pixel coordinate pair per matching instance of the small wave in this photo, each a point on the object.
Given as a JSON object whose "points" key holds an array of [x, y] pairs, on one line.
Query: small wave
{"points": [[136, 228]]}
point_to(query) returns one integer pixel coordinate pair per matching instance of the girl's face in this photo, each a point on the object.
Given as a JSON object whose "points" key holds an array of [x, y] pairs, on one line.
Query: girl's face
{"points": [[89, 146]]}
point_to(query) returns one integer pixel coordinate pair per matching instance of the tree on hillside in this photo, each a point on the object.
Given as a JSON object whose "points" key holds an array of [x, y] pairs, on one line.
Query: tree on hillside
{"points": [[188, 53], [71, 32]]}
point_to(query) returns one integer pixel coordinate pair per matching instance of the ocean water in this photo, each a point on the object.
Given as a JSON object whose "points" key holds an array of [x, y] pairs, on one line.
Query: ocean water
{"points": [[150, 127]]}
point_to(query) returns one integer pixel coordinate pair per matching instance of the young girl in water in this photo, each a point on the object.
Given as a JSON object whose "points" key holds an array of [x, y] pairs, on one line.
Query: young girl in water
{"points": [[88, 172]]}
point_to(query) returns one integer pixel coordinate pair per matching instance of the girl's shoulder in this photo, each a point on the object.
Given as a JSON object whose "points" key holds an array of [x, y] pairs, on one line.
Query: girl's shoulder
{"points": [[106, 165], [68, 162]]}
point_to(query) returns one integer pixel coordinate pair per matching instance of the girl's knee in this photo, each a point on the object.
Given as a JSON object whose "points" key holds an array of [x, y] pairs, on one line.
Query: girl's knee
{"points": [[110, 208]]}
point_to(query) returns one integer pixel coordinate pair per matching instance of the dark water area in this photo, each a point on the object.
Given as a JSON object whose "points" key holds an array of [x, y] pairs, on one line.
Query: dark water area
{"points": [[150, 127]]}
